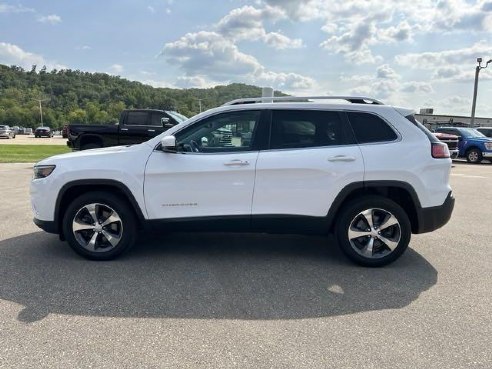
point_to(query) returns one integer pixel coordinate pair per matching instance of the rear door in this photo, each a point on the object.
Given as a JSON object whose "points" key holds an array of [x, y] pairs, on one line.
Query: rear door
{"points": [[311, 157]]}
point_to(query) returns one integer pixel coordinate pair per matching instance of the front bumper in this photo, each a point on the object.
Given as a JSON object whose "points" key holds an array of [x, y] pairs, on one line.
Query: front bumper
{"points": [[454, 153], [47, 226], [430, 219], [487, 154]]}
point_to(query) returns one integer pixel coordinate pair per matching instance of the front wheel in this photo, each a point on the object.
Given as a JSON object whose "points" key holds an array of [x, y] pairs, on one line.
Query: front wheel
{"points": [[373, 231], [99, 225], [474, 156]]}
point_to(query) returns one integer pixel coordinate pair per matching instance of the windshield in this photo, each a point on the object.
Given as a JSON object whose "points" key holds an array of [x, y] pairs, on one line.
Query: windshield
{"points": [[3, 127], [471, 133], [180, 118]]}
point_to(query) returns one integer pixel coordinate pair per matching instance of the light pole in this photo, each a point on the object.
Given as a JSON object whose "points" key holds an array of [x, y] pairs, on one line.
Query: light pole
{"points": [[474, 103], [200, 104], [41, 108]]}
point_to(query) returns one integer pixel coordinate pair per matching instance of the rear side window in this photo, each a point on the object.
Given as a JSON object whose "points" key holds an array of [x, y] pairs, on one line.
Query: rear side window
{"points": [[370, 128], [136, 118], [307, 128]]}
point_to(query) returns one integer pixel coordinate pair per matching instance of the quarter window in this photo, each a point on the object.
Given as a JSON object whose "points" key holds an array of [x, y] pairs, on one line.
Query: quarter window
{"points": [[370, 128], [307, 128]]}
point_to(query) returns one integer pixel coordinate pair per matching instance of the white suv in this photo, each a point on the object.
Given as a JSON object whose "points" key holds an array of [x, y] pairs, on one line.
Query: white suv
{"points": [[366, 171]]}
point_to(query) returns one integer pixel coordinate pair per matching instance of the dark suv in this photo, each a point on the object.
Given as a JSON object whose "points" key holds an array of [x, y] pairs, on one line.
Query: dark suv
{"points": [[43, 132]]}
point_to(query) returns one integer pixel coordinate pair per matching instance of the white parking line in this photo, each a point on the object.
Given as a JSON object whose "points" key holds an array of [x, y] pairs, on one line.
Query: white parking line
{"points": [[466, 175]]}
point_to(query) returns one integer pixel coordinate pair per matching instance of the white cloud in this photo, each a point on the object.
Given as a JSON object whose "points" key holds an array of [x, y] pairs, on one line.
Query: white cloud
{"points": [[354, 44], [83, 47], [354, 27], [11, 54], [386, 84], [438, 59], [116, 69], [151, 9], [194, 82], [50, 19], [280, 41], [247, 23], [219, 59], [8, 8]]}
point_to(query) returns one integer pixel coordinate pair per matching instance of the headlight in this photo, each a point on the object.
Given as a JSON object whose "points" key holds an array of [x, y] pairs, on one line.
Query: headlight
{"points": [[43, 171], [488, 145]]}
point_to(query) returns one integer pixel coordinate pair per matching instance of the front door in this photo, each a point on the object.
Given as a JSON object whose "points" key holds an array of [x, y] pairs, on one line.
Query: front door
{"points": [[211, 174]]}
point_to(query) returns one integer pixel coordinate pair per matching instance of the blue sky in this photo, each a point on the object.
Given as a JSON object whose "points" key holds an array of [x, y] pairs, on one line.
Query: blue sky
{"points": [[416, 54]]}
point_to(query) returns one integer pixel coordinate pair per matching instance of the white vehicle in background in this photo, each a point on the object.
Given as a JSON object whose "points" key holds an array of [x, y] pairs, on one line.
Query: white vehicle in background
{"points": [[366, 171], [6, 132]]}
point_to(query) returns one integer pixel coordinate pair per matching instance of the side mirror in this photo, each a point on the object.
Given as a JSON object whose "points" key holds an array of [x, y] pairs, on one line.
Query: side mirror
{"points": [[168, 144], [166, 123]]}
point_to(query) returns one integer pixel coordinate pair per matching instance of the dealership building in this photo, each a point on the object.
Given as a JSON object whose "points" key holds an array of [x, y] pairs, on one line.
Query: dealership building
{"points": [[431, 120]]}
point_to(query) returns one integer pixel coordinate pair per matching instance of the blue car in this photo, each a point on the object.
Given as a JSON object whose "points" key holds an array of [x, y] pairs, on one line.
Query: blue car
{"points": [[473, 145]]}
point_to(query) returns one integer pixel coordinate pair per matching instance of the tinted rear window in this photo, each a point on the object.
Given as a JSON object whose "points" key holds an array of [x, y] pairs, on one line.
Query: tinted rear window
{"points": [[136, 118], [307, 128], [370, 128]]}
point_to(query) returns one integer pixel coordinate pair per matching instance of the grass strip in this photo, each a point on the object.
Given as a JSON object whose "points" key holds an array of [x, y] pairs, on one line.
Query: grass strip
{"points": [[29, 153]]}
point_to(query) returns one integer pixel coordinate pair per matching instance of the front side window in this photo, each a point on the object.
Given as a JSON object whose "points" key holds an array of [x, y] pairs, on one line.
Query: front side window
{"points": [[370, 128], [156, 119], [307, 128], [224, 132]]}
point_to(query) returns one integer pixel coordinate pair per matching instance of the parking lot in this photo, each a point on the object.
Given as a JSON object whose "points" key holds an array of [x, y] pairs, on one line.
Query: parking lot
{"points": [[31, 140], [262, 301]]}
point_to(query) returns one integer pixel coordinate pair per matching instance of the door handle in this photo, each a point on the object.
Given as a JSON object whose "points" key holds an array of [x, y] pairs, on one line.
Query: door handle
{"points": [[345, 158], [151, 130], [124, 129], [236, 162]]}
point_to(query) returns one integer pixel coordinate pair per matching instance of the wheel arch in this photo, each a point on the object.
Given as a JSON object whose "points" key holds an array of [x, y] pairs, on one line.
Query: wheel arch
{"points": [[76, 188], [400, 192]]}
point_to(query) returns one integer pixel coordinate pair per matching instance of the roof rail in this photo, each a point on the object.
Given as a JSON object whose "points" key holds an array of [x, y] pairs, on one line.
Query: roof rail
{"points": [[351, 99]]}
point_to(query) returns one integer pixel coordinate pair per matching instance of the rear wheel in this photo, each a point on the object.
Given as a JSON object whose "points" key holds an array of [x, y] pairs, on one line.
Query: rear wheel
{"points": [[474, 156], [99, 225], [373, 231]]}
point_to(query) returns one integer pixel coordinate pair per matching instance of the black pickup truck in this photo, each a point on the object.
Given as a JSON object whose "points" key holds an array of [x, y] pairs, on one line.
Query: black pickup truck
{"points": [[135, 126]]}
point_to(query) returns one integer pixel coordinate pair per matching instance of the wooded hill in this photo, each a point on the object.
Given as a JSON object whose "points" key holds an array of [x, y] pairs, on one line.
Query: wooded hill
{"points": [[74, 96]]}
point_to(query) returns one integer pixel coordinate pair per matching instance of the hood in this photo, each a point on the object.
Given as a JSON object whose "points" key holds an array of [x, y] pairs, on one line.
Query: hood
{"points": [[481, 139], [445, 136], [105, 151]]}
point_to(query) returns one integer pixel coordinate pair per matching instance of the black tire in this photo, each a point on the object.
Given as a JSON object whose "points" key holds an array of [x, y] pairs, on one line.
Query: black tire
{"points": [[105, 200], [90, 146], [349, 219], [474, 156]]}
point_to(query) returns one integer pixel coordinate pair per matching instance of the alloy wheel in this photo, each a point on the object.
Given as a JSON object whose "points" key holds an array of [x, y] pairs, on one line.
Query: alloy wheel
{"points": [[374, 233], [97, 227]]}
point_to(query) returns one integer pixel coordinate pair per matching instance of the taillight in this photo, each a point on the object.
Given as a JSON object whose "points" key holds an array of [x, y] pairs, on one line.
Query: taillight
{"points": [[440, 150]]}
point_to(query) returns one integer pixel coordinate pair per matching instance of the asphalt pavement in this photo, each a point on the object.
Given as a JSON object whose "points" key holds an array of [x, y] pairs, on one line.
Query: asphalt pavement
{"points": [[247, 301]]}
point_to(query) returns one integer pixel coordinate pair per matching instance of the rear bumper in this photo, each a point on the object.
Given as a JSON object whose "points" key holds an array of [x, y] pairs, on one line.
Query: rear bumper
{"points": [[430, 219], [47, 226]]}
